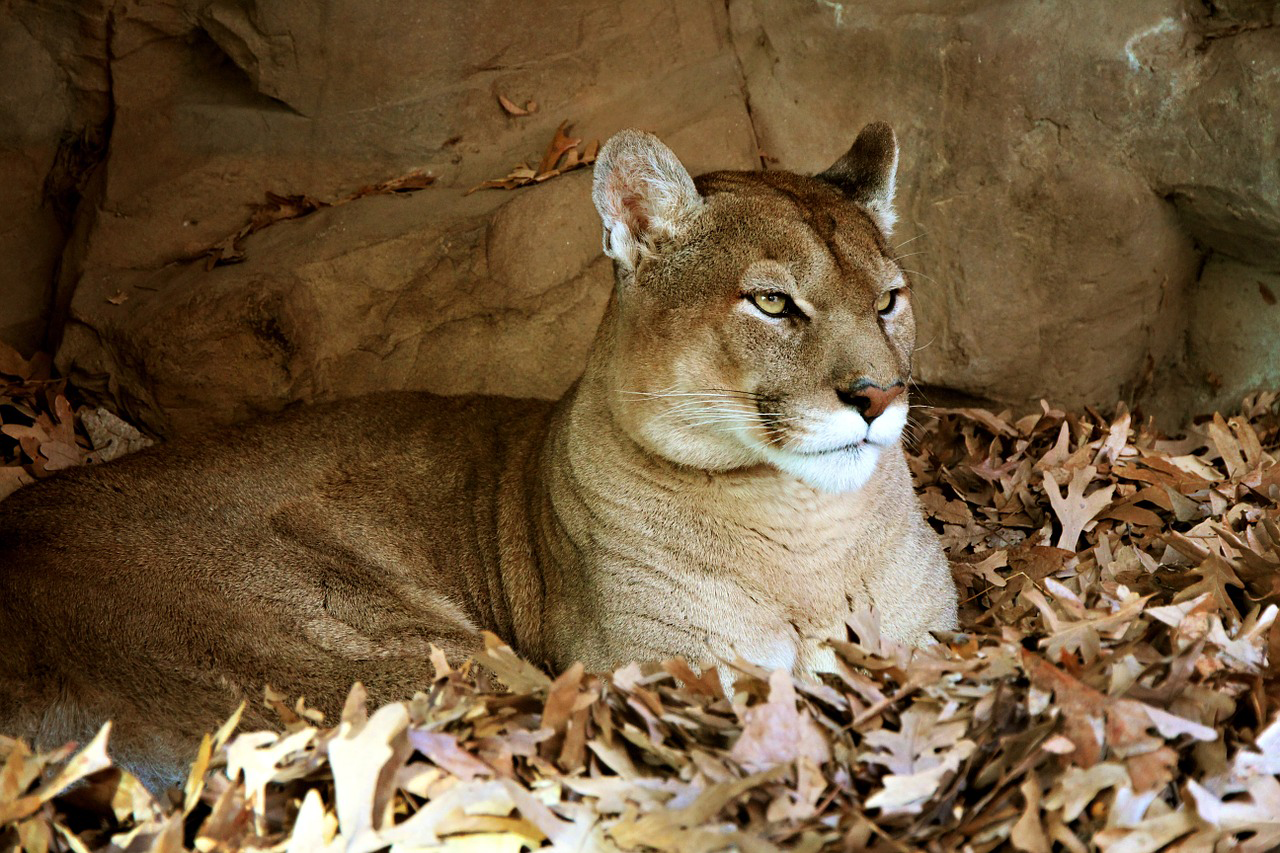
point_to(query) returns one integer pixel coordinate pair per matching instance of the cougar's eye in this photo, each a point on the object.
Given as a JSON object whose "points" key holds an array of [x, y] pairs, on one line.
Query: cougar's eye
{"points": [[773, 304], [886, 301]]}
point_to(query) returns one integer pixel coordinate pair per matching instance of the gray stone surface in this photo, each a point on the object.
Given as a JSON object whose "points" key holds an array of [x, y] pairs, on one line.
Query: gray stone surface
{"points": [[1234, 333]]}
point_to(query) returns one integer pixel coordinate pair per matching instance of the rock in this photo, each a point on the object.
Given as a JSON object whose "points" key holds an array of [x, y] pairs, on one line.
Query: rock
{"points": [[493, 292], [34, 112], [1234, 334], [1077, 190]]}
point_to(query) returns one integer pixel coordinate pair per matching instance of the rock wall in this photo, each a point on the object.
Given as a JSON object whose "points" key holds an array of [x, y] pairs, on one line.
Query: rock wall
{"points": [[1091, 195]]}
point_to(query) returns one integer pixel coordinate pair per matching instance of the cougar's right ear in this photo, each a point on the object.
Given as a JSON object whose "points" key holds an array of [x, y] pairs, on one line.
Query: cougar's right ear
{"points": [[643, 194]]}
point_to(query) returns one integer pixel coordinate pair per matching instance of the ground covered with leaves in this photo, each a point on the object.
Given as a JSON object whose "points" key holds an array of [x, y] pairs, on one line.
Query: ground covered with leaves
{"points": [[1114, 688]]}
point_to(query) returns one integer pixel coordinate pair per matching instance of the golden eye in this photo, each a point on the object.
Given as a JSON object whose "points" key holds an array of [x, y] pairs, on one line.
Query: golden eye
{"points": [[886, 301], [773, 304]]}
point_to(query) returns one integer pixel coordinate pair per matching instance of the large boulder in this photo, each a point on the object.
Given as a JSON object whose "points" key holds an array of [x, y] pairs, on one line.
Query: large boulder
{"points": [[217, 103]]}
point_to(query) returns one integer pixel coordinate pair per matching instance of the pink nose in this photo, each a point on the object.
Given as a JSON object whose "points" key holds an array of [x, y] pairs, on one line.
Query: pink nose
{"points": [[868, 398]]}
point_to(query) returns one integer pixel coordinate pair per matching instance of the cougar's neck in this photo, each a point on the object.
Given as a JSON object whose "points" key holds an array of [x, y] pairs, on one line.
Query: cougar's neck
{"points": [[606, 494]]}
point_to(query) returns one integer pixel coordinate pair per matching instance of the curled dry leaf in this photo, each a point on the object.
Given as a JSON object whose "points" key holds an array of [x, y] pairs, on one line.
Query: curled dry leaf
{"points": [[279, 208], [529, 108]]}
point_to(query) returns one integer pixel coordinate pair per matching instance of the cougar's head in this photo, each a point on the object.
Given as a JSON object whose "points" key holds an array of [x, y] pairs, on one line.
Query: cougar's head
{"points": [[759, 317]]}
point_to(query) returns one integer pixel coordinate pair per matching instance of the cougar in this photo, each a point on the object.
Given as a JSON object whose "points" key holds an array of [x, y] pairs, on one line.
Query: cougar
{"points": [[725, 479]]}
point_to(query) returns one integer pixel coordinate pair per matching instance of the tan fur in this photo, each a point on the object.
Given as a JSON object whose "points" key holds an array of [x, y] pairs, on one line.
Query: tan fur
{"points": [[648, 513]]}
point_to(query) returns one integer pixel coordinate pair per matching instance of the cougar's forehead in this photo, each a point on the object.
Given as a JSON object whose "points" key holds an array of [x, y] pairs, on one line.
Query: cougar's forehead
{"points": [[800, 223]]}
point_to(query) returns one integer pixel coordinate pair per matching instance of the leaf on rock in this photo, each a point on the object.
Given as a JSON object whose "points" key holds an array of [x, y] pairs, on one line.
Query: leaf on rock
{"points": [[529, 108], [281, 208], [562, 155]]}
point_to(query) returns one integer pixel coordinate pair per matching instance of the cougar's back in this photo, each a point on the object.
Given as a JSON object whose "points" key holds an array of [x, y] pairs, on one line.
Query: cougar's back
{"points": [[325, 546]]}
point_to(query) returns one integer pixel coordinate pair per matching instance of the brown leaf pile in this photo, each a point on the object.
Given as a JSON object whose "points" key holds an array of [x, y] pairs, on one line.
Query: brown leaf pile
{"points": [[562, 155], [1115, 688], [38, 427], [278, 208]]}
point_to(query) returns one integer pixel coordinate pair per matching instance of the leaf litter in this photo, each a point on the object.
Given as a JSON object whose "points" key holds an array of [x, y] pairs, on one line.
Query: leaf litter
{"points": [[1114, 688], [41, 433]]}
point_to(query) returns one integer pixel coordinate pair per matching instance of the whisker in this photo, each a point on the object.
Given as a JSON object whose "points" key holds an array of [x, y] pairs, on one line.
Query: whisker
{"points": [[706, 394], [905, 242], [754, 394], [922, 275]]}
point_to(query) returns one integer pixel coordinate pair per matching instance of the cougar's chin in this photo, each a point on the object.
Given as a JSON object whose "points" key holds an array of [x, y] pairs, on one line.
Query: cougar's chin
{"points": [[839, 454], [844, 469]]}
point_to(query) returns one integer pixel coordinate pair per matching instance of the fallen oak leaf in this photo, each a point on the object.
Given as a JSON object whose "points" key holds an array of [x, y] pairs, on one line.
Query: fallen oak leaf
{"points": [[444, 752], [12, 478], [1028, 832], [280, 208], [1228, 447], [111, 436], [776, 732], [516, 673], [1259, 816], [560, 143], [86, 762], [409, 183], [1214, 575], [1075, 510]]}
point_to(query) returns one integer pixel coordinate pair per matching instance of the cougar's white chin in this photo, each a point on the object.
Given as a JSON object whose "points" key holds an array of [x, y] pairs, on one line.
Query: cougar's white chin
{"points": [[844, 470], [841, 454]]}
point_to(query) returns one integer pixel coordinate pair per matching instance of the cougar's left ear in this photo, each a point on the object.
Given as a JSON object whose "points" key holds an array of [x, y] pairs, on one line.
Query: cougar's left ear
{"points": [[643, 195], [868, 172]]}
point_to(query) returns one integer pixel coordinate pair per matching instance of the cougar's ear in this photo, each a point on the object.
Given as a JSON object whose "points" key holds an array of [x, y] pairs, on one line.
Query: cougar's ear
{"points": [[868, 172], [643, 195]]}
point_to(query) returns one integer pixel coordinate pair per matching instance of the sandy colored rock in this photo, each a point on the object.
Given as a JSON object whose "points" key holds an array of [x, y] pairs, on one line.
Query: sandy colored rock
{"points": [[1234, 332], [34, 111], [493, 292]]}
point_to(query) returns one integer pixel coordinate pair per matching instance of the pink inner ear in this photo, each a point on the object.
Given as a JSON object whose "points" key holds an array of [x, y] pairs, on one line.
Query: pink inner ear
{"points": [[634, 214]]}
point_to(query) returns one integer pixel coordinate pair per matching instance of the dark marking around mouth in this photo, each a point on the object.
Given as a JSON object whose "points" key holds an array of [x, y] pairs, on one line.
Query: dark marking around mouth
{"points": [[853, 446]]}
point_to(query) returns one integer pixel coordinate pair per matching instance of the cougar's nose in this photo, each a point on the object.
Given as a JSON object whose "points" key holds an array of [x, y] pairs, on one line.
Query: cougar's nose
{"points": [[868, 398]]}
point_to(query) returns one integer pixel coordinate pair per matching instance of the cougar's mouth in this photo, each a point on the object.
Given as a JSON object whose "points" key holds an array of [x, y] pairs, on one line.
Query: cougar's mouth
{"points": [[851, 447], [834, 433]]}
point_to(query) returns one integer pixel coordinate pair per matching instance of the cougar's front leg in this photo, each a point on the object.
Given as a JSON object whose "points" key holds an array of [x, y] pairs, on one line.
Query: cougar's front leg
{"points": [[913, 591]]}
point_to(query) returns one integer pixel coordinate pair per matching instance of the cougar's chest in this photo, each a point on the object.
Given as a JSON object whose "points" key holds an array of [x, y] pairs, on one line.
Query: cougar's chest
{"points": [[773, 594]]}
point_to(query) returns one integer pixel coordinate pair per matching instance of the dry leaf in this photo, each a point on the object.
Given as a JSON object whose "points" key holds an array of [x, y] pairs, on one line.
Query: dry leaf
{"points": [[513, 110], [1075, 511]]}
